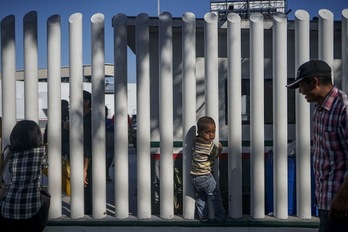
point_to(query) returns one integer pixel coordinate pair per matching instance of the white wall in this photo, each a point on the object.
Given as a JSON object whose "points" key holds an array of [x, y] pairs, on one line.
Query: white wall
{"points": [[42, 94]]}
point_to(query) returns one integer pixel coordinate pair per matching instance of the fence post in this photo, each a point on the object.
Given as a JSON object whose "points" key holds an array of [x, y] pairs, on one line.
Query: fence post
{"points": [[326, 38], [143, 116], [30, 66], [121, 121], [257, 154], [76, 116], [8, 75], [344, 50], [54, 128], [189, 109], [234, 111], [98, 117], [280, 114], [303, 130], [211, 67], [166, 115]]}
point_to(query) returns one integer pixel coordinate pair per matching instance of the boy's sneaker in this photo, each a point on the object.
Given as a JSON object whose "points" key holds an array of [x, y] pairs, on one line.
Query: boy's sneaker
{"points": [[202, 219]]}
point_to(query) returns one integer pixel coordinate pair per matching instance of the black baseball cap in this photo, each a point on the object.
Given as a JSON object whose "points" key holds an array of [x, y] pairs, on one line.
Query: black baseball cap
{"points": [[312, 68]]}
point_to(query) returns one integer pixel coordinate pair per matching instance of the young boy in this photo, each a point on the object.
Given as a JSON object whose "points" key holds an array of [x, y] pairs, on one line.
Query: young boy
{"points": [[204, 154]]}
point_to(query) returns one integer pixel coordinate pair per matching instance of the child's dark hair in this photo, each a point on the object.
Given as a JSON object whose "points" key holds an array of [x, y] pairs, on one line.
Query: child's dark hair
{"points": [[25, 135], [87, 96], [203, 122]]}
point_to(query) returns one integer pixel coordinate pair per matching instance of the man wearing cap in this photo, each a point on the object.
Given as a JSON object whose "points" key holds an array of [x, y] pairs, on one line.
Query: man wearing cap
{"points": [[330, 142]]}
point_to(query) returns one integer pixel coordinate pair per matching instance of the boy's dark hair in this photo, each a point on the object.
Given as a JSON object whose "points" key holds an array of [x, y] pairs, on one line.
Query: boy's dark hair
{"points": [[87, 95], [25, 135], [203, 122], [65, 109]]}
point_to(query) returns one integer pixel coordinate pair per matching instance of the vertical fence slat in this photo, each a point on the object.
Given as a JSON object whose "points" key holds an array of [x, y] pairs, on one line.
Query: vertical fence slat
{"points": [[234, 90], [30, 66], [121, 117], [280, 112], [326, 38], [8, 75], [257, 116], [143, 116], [344, 40], [189, 109], [211, 67], [98, 117], [166, 115], [303, 130], [76, 116], [54, 128]]}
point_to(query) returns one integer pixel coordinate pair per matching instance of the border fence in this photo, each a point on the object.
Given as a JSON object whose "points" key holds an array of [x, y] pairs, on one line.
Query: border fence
{"points": [[159, 43]]}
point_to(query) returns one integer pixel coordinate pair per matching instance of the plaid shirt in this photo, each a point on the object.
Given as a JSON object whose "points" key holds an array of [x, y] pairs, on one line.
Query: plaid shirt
{"points": [[330, 158], [23, 197]]}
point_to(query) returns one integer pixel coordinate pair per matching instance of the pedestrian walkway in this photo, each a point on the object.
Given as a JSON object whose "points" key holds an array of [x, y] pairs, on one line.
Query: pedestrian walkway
{"points": [[174, 229], [110, 191], [132, 223]]}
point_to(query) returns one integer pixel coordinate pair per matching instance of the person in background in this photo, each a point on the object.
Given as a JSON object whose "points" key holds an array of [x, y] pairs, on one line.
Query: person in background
{"points": [[205, 152], [330, 142], [22, 206], [109, 143], [65, 129], [87, 150]]}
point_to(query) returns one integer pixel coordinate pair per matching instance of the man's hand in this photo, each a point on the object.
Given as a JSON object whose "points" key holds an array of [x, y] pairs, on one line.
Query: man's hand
{"points": [[339, 204], [85, 178], [85, 168]]}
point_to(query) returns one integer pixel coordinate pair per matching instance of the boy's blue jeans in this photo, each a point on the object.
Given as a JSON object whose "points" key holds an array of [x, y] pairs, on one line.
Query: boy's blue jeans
{"points": [[205, 185]]}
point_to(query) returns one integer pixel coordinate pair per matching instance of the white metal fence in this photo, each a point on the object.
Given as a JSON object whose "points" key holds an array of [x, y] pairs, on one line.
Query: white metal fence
{"points": [[165, 120]]}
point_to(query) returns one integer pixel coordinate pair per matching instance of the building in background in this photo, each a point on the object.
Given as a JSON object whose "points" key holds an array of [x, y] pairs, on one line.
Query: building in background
{"points": [[87, 73], [245, 8]]}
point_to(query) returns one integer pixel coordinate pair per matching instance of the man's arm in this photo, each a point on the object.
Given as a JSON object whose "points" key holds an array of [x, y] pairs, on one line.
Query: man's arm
{"points": [[85, 169], [339, 205]]}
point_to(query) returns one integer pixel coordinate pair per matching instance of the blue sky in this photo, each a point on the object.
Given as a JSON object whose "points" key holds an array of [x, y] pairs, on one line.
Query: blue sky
{"points": [[65, 8]]}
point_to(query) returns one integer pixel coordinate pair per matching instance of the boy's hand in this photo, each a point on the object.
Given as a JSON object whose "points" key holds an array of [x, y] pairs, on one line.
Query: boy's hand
{"points": [[220, 147]]}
